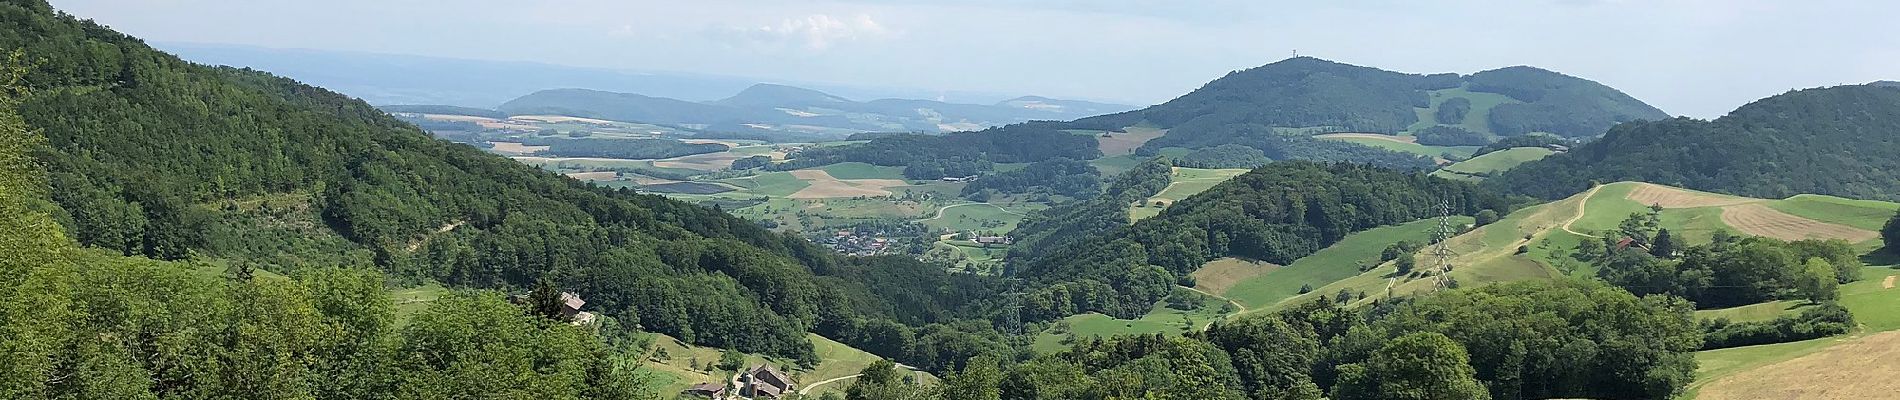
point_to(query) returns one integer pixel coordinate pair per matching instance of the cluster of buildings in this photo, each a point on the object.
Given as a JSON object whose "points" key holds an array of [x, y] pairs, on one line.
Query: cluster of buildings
{"points": [[857, 244], [761, 382]]}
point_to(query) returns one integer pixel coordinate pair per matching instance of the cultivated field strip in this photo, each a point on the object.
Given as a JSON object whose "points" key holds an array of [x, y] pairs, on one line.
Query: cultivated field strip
{"points": [[1759, 220], [1669, 197]]}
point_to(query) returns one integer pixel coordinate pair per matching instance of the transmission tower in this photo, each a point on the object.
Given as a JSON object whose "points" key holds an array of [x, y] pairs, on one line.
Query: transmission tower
{"points": [[1441, 253]]}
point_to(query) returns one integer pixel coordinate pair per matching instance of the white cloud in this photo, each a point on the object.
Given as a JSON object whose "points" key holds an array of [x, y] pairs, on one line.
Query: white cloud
{"points": [[814, 32]]}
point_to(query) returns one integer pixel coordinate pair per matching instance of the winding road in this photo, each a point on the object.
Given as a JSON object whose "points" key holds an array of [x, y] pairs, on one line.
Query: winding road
{"points": [[1580, 210], [941, 209]]}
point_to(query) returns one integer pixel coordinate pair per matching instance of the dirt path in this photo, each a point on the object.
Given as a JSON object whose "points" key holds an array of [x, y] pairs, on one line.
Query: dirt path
{"points": [[1238, 308], [940, 210], [1887, 284], [1580, 210], [807, 389]]}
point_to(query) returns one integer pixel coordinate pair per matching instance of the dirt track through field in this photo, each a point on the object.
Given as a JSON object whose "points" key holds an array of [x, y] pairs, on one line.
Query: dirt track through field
{"points": [[1760, 220], [1379, 136], [1865, 368], [824, 186], [1669, 197], [1581, 203]]}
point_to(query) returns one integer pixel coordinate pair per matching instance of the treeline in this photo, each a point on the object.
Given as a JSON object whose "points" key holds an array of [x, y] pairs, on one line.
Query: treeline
{"points": [[1553, 340], [1062, 176], [1443, 135], [1825, 141], [637, 149], [149, 155], [1277, 213], [1827, 319], [956, 154], [1224, 156]]}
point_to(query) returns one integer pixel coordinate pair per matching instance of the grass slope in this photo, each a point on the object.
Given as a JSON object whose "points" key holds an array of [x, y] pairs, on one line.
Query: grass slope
{"points": [[1159, 320], [1497, 161], [1331, 264]]}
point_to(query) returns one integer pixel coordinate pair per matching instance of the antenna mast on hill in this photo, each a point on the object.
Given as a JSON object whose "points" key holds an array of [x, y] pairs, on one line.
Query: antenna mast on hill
{"points": [[1441, 253]]}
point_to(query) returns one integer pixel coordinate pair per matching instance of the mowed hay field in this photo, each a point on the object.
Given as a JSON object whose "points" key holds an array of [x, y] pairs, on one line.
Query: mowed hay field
{"points": [[1119, 144], [1221, 274], [821, 185], [1403, 144], [1861, 365]]}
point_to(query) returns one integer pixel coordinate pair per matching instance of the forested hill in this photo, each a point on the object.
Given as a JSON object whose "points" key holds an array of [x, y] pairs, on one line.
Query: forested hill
{"points": [[1312, 94], [1842, 141], [152, 156], [1276, 213]]}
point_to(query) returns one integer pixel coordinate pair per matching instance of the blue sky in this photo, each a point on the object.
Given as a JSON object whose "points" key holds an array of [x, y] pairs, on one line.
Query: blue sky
{"points": [[1690, 57]]}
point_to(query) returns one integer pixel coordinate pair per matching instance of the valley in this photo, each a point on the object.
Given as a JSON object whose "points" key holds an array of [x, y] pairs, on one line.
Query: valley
{"points": [[1301, 229]]}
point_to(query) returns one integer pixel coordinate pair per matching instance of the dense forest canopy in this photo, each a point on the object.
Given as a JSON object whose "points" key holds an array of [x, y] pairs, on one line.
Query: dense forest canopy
{"points": [[1306, 92], [147, 155], [1835, 141]]}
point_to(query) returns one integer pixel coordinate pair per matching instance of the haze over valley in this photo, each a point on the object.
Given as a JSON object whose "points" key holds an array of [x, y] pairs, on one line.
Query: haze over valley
{"points": [[736, 200]]}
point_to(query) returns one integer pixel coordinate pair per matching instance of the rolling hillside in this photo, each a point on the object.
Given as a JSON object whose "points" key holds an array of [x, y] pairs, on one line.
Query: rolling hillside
{"points": [[1834, 141], [1313, 94], [150, 156]]}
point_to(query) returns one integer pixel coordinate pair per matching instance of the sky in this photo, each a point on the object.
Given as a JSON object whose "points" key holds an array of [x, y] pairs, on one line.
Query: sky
{"points": [[1699, 58]]}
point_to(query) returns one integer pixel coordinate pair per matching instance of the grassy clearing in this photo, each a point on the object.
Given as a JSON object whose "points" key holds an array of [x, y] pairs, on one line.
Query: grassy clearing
{"points": [[1477, 120], [1414, 148], [1190, 181], [1159, 320], [858, 170], [1792, 365], [1117, 144], [409, 301], [1331, 264], [1754, 312], [1184, 183], [976, 217], [1116, 165], [675, 365], [1222, 274], [1498, 160]]}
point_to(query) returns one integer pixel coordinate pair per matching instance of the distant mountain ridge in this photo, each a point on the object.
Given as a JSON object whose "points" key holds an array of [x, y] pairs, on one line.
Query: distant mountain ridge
{"points": [[1842, 141], [1306, 95], [769, 108]]}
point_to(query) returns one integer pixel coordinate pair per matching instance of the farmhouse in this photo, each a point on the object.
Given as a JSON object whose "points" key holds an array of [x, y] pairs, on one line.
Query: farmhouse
{"points": [[1002, 240], [707, 390], [764, 381]]}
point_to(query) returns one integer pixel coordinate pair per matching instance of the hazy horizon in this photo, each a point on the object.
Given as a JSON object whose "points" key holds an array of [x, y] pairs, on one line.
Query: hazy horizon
{"points": [[1698, 58]]}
